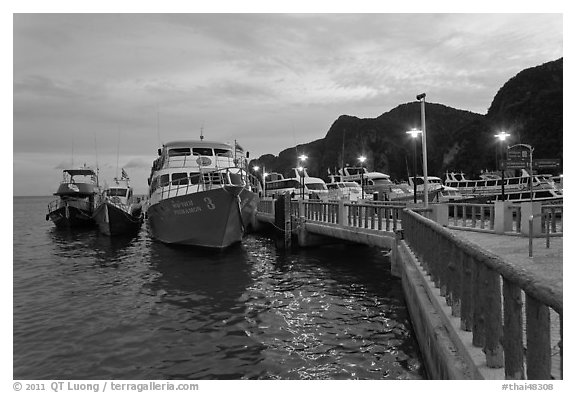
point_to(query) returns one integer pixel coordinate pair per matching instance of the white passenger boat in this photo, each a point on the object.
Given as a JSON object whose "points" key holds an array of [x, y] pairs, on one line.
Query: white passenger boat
{"points": [[343, 190], [301, 185], [200, 194], [516, 188], [376, 182]]}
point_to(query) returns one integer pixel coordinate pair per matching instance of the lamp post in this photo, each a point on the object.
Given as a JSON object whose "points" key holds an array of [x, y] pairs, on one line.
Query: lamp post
{"points": [[301, 169], [256, 168], [264, 175], [502, 135], [422, 99], [414, 133], [362, 159]]}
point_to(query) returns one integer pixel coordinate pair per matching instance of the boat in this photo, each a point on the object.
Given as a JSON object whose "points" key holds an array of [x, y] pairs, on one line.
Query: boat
{"points": [[343, 190], [77, 195], [300, 185], [437, 192], [376, 183], [119, 212], [200, 194], [516, 188]]}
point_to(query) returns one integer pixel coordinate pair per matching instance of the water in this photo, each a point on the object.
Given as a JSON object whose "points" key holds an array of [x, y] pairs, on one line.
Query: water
{"points": [[91, 307]]}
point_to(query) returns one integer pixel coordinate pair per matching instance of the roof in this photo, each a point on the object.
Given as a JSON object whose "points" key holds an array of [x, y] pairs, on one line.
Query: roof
{"points": [[82, 172], [197, 143]]}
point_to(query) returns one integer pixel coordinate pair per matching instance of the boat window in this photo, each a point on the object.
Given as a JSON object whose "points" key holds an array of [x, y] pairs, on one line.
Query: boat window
{"points": [[542, 194], [481, 184], [351, 184], [514, 180], [202, 151], [121, 192], [491, 183], [514, 196], [332, 186], [194, 178], [236, 179], [154, 184], [499, 182], [470, 184], [525, 180], [223, 153], [179, 151], [315, 186], [164, 180], [525, 195], [180, 178]]}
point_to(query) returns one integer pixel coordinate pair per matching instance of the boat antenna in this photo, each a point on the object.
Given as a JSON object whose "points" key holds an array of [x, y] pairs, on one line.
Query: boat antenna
{"points": [[97, 168], [117, 153], [342, 153], [202, 132], [158, 124]]}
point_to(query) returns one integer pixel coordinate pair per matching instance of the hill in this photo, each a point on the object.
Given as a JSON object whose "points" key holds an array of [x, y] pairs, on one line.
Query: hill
{"points": [[528, 106]]}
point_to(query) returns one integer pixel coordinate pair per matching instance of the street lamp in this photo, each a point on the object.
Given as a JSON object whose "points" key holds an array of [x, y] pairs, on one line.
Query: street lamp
{"points": [[301, 169], [264, 176], [362, 159], [414, 133], [422, 99], [502, 135]]}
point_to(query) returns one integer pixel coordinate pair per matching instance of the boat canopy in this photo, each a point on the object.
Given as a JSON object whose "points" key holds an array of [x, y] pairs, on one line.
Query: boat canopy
{"points": [[80, 172], [191, 143]]}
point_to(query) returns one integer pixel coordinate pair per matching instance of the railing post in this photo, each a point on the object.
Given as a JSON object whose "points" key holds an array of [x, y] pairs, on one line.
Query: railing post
{"points": [[538, 356], [493, 311], [479, 322], [502, 217], [512, 340], [466, 308], [342, 213]]}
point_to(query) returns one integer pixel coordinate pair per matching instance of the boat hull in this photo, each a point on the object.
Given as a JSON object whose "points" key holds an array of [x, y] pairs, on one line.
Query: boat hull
{"points": [[212, 218], [71, 217], [114, 221]]}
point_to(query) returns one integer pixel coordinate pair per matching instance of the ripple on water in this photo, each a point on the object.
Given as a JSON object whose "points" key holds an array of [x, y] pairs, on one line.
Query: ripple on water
{"points": [[90, 307]]}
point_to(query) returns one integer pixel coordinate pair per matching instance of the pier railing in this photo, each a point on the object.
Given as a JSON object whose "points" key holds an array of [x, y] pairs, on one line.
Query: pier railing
{"points": [[510, 218], [488, 296], [379, 216]]}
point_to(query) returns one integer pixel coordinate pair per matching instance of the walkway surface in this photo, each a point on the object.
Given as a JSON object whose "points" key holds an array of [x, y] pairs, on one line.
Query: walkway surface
{"points": [[546, 263]]}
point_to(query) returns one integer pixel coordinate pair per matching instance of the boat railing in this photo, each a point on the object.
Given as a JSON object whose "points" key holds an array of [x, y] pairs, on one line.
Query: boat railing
{"points": [[492, 299], [206, 180], [191, 161], [77, 203]]}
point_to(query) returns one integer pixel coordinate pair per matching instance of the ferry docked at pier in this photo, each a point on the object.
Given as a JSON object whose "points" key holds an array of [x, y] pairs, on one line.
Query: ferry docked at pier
{"points": [[300, 186], [200, 194], [376, 182], [118, 212], [437, 192], [516, 188], [77, 194]]}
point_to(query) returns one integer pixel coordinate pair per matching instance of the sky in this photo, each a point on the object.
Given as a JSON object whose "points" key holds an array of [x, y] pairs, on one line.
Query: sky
{"points": [[108, 89]]}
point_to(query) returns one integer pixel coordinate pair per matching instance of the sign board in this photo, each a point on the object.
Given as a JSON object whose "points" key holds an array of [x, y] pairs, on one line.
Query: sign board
{"points": [[546, 163], [519, 152], [516, 164]]}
